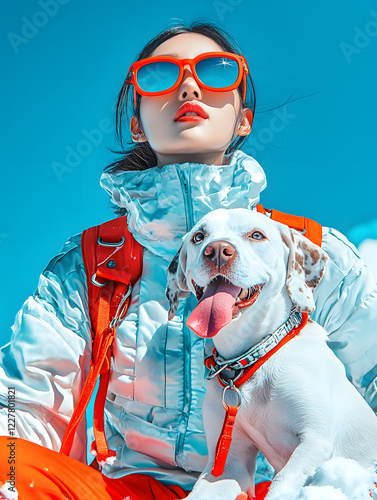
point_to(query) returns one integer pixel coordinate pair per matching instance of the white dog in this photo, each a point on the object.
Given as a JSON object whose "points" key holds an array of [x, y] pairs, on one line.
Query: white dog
{"points": [[250, 274]]}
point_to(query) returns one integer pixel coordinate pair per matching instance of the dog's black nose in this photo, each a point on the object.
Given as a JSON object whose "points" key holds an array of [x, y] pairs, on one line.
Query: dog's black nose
{"points": [[219, 253]]}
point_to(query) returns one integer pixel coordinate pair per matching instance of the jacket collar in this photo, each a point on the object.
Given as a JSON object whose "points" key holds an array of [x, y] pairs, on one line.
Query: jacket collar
{"points": [[162, 204]]}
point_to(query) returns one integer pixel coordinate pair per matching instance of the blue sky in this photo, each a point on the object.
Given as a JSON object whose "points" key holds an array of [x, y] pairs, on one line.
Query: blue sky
{"points": [[63, 63]]}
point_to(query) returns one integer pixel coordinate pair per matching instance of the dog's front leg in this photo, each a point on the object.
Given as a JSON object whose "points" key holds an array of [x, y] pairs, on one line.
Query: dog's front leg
{"points": [[312, 451], [238, 475]]}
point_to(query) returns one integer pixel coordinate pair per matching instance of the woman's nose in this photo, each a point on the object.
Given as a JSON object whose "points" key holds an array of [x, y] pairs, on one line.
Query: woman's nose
{"points": [[189, 86]]}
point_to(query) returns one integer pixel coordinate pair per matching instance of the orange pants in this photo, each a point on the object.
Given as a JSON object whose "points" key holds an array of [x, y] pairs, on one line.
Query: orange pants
{"points": [[42, 474]]}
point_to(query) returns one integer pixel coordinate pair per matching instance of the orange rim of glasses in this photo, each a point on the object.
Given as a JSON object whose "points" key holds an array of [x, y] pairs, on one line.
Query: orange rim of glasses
{"points": [[243, 70]]}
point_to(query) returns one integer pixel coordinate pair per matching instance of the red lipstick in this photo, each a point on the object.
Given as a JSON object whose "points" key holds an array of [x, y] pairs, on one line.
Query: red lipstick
{"points": [[190, 107]]}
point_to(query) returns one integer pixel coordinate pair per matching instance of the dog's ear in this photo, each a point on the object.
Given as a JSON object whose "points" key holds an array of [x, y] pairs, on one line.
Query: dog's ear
{"points": [[176, 281], [306, 265]]}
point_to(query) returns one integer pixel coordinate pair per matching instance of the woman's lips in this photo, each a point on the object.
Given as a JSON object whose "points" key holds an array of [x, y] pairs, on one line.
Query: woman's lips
{"points": [[190, 118], [190, 111]]}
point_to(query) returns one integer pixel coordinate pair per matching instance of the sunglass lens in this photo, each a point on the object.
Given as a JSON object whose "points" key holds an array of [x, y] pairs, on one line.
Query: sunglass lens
{"points": [[217, 72], [157, 76]]}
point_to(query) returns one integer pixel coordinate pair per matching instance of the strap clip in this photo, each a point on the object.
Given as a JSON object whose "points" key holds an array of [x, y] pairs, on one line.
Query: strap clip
{"points": [[97, 283], [109, 243], [232, 387], [121, 308]]}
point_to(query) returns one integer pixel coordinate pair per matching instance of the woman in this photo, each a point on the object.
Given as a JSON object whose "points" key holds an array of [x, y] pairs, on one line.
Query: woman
{"points": [[186, 163]]}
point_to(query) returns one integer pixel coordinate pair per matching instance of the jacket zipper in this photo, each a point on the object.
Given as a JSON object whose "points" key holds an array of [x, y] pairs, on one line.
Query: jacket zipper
{"points": [[187, 199], [182, 427]]}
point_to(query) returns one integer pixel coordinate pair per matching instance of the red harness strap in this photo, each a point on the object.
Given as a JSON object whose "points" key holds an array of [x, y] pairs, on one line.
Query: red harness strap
{"points": [[310, 228], [113, 263], [225, 439]]}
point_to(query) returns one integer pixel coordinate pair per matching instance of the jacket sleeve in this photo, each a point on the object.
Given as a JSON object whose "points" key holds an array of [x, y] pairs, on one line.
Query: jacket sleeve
{"points": [[48, 358], [346, 306]]}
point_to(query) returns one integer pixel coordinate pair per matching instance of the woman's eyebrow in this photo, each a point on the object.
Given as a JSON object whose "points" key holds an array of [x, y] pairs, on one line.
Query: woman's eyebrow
{"points": [[170, 55]]}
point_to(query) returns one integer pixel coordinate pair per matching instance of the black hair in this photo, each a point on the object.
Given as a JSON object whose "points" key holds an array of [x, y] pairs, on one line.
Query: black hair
{"points": [[140, 156]]}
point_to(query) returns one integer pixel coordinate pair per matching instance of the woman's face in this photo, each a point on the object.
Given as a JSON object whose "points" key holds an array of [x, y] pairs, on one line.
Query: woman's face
{"points": [[203, 141]]}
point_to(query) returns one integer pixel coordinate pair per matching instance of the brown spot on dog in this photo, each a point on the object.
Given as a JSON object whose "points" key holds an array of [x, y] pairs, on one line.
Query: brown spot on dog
{"points": [[302, 244], [313, 252], [299, 259], [315, 256], [297, 267], [313, 282], [301, 290], [173, 266]]}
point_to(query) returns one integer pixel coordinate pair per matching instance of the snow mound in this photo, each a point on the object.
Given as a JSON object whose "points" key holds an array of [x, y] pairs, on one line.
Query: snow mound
{"points": [[8, 491], [338, 479], [346, 475], [316, 493]]}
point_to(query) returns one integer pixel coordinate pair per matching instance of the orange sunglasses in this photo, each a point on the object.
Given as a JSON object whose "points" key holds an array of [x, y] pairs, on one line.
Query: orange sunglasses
{"points": [[215, 71]]}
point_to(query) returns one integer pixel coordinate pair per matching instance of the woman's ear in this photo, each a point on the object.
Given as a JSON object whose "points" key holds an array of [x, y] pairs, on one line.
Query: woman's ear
{"points": [[136, 132], [244, 128]]}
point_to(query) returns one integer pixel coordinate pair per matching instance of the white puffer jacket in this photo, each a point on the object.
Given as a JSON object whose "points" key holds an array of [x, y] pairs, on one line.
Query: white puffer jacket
{"points": [[153, 409]]}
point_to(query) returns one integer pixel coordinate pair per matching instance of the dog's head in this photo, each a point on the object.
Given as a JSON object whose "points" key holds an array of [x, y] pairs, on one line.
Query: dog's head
{"points": [[233, 259]]}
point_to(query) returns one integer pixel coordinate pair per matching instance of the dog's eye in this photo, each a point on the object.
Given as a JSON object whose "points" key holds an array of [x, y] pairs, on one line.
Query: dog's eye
{"points": [[257, 235], [198, 237]]}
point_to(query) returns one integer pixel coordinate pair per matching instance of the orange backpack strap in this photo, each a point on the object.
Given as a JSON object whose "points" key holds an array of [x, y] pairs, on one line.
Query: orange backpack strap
{"points": [[310, 228], [113, 263]]}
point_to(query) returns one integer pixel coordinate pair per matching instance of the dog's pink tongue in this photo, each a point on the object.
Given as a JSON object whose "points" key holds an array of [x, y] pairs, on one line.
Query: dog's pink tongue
{"points": [[214, 310]]}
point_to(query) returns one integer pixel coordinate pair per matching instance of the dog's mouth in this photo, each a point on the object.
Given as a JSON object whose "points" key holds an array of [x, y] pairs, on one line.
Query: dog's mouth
{"points": [[219, 302], [245, 298]]}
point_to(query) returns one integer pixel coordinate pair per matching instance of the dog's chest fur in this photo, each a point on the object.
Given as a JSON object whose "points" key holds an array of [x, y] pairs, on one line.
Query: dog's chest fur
{"points": [[268, 401], [260, 417]]}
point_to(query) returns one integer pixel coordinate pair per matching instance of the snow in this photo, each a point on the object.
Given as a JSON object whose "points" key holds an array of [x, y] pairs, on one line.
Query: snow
{"points": [[337, 479], [8, 491]]}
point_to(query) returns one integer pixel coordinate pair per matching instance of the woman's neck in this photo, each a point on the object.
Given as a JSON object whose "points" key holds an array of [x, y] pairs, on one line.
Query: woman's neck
{"points": [[210, 158]]}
